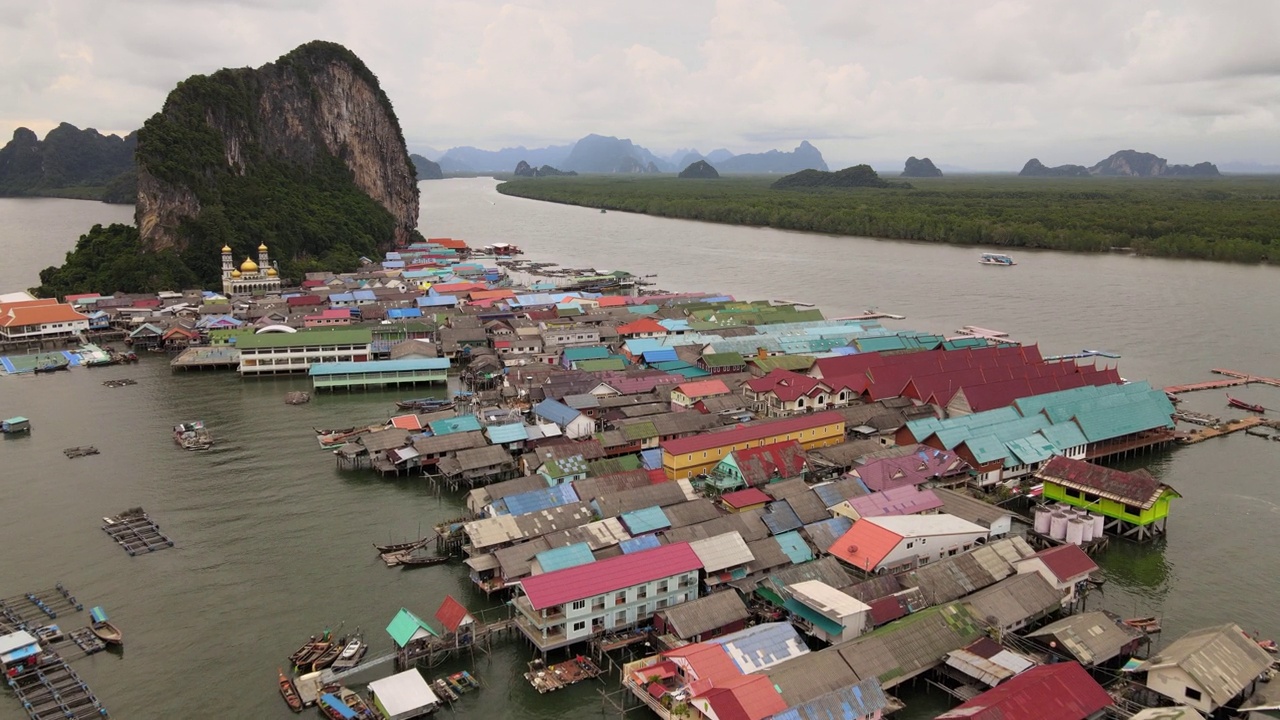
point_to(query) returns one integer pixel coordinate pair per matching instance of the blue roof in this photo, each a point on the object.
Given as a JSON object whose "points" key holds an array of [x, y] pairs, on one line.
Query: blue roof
{"points": [[645, 520], [97, 614], [333, 702], [651, 459], [392, 255], [342, 297], [639, 346], [824, 533], [402, 365], [828, 494], [675, 324], [404, 312], [448, 426], [503, 434], [565, 557], [642, 309], [392, 264], [795, 547], [555, 411], [364, 295], [854, 701], [779, 517], [436, 300], [535, 500], [763, 646], [636, 544]]}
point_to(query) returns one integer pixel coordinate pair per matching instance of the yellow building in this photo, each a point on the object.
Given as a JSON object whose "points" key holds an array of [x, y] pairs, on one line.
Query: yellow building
{"points": [[251, 277], [697, 455]]}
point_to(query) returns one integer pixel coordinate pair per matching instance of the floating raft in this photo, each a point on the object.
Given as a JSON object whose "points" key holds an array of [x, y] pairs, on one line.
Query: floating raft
{"points": [[87, 641], [136, 532], [77, 452], [547, 679], [54, 690], [297, 398], [33, 609], [120, 383]]}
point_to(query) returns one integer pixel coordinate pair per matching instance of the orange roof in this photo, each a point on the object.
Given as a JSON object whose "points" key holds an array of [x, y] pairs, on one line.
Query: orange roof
{"points": [[26, 314], [42, 302], [703, 388], [449, 243], [459, 287], [406, 422], [643, 325], [865, 545], [611, 301], [708, 662]]}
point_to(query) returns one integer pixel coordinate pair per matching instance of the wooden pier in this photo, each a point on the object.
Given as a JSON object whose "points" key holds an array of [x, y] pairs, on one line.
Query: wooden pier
{"points": [[1196, 436], [549, 678], [434, 650], [79, 452], [52, 689], [207, 357], [1235, 378], [136, 532]]}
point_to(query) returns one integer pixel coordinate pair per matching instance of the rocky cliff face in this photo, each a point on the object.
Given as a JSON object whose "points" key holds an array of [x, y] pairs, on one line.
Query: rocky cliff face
{"points": [[427, 169], [68, 157], [1035, 168], [804, 157], [700, 170], [1131, 163], [304, 117], [918, 168]]}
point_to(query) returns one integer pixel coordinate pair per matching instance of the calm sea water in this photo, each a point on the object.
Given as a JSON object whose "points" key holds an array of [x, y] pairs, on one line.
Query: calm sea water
{"points": [[273, 543]]}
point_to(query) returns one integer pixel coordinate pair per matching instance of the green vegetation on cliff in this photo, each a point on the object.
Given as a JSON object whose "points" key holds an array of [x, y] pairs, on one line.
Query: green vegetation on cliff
{"points": [[69, 162], [108, 258], [1222, 219]]}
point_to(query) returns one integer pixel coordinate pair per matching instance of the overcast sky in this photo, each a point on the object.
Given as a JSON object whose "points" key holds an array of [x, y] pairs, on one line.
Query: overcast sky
{"points": [[979, 84]]}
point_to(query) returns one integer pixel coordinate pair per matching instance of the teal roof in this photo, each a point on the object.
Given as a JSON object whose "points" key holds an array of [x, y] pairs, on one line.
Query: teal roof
{"points": [[591, 352], [642, 309], [826, 624], [645, 520], [405, 625], [565, 557], [509, 433], [794, 546], [1031, 449], [448, 426], [371, 366], [1064, 435]]}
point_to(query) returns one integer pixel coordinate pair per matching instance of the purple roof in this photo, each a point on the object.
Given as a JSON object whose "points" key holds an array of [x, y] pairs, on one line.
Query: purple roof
{"points": [[924, 464], [906, 500]]}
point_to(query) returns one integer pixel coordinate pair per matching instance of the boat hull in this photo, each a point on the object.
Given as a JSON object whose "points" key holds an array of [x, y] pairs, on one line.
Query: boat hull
{"points": [[108, 633]]}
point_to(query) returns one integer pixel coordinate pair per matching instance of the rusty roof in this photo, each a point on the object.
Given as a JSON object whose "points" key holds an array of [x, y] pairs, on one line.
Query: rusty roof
{"points": [[1138, 488]]}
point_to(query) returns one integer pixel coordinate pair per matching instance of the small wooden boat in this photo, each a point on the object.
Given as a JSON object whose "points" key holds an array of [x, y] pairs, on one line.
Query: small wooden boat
{"points": [[289, 692], [1269, 645], [327, 657], [357, 704], [102, 627], [429, 404], [409, 560], [443, 690], [332, 707], [304, 651], [51, 367], [402, 546], [466, 680], [1251, 407], [1149, 625], [192, 435]]}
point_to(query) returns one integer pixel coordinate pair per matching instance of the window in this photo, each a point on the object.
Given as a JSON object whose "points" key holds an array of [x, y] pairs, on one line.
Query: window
{"points": [[910, 545], [642, 592], [620, 618], [952, 551], [1132, 510], [662, 586], [642, 611], [1071, 493], [620, 599], [1192, 693], [579, 604], [662, 602], [580, 626]]}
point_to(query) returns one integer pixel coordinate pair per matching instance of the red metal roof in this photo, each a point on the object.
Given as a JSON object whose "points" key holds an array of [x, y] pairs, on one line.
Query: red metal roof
{"points": [[603, 576], [703, 388], [451, 614], [304, 300], [745, 498], [643, 325], [759, 465], [886, 609], [1067, 562], [708, 663], [748, 697], [865, 545], [1062, 691], [1139, 488], [748, 433], [785, 384]]}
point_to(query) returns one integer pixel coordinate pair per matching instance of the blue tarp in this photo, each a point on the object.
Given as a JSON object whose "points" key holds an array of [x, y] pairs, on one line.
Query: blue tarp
{"points": [[97, 614], [335, 703], [636, 544]]}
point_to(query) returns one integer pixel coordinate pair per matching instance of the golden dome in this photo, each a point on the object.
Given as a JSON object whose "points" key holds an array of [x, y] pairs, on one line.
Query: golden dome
{"points": [[249, 266], [262, 247], [271, 272], [226, 248], [235, 273]]}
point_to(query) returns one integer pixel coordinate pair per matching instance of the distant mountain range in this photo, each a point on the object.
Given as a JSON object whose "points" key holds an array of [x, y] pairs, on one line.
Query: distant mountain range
{"points": [[611, 155], [1125, 163], [69, 162]]}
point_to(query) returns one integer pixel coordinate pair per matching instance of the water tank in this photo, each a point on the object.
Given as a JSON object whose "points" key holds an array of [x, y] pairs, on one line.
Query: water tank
{"points": [[1058, 526], [1042, 519], [1075, 531], [1087, 521], [1098, 522]]}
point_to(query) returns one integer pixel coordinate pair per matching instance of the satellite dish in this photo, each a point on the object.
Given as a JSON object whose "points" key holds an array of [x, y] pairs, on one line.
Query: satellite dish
{"points": [[852, 549]]}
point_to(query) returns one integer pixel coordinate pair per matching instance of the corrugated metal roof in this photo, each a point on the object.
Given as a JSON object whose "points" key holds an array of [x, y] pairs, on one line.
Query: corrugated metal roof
{"points": [[1015, 600], [762, 646], [1222, 659], [1091, 638], [954, 577], [707, 613], [509, 433], [465, 423], [722, 552], [855, 700], [825, 532], [535, 500], [905, 647], [794, 546], [636, 544], [645, 520], [780, 518], [811, 676], [602, 576], [1062, 691], [564, 557]]}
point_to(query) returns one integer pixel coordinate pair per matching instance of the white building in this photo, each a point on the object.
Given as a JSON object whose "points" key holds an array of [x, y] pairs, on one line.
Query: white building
{"points": [[403, 696], [251, 278], [273, 353], [901, 542], [36, 320], [826, 613], [566, 606]]}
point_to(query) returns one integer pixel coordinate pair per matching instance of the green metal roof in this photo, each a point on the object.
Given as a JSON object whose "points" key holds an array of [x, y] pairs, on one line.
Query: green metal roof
{"points": [[640, 431], [786, 362], [405, 625], [612, 363], [315, 336]]}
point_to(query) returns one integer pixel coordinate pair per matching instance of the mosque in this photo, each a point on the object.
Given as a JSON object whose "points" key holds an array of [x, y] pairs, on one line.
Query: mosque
{"points": [[252, 278]]}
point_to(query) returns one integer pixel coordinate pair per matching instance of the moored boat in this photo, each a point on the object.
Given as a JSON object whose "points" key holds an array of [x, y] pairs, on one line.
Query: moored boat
{"points": [[15, 426], [51, 367], [192, 435], [289, 692], [1149, 625], [1269, 645], [996, 259], [352, 653], [357, 704], [408, 560], [327, 657], [101, 626], [429, 404], [400, 547], [1241, 404], [334, 708], [443, 690]]}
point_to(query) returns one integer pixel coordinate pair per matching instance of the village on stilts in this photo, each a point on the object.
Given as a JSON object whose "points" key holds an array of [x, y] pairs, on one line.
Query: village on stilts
{"points": [[706, 507]]}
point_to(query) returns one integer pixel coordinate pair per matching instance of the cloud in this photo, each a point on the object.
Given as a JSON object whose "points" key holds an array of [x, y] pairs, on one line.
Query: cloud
{"points": [[985, 84]]}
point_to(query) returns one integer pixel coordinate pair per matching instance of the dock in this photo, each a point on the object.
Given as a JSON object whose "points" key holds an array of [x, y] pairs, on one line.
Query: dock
{"points": [[33, 610], [136, 532], [207, 357], [122, 382], [1197, 436], [79, 452], [1235, 378], [87, 641], [53, 690], [549, 678], [872, 315]]}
